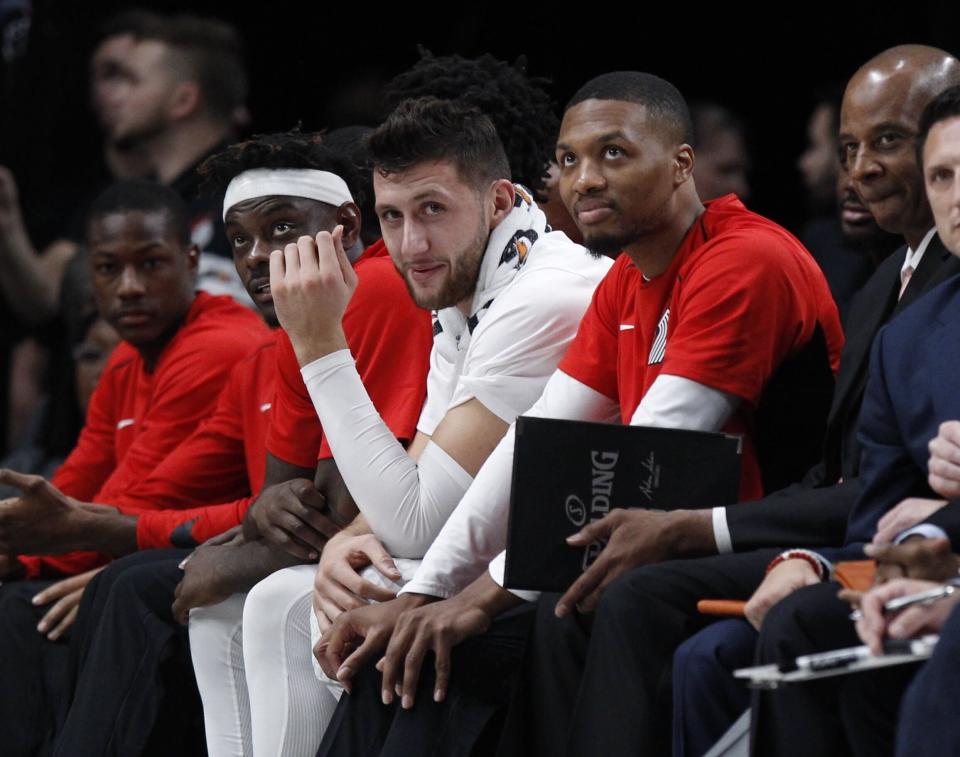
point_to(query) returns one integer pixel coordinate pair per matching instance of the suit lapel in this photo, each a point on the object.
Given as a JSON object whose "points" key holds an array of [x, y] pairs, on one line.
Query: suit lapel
{"points": [[877, 303], [929, 273], [873, 305]]}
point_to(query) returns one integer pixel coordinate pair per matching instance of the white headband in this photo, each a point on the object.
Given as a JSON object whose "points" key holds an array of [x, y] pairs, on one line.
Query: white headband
{"points": [[311, 183]]}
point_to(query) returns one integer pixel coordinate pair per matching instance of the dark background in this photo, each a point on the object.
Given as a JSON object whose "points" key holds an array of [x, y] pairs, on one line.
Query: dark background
{"points": [[323, 64]]}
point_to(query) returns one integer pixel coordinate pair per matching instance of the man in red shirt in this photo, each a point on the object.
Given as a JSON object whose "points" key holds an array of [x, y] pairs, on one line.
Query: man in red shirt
{"points": [[685, 331], [160, 382], [179, 348]]}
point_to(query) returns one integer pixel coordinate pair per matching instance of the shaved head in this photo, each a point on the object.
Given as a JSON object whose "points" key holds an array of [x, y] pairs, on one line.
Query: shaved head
{"points": [[920, 72], [879, 124]]}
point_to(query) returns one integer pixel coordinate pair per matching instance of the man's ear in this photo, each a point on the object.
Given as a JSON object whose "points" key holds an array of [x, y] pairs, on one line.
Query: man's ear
{"points": [[193, 258], [682, 164], [185, 100], [502, 196], [348, 216]]}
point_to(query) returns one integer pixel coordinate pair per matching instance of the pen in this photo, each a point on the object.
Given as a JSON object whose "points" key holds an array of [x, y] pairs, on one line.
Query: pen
{"points": [[919, 598], [925, 597]]}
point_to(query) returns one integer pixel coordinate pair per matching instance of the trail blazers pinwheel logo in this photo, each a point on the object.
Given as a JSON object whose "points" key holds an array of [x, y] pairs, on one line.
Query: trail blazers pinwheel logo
{"points": [[659, 346]]}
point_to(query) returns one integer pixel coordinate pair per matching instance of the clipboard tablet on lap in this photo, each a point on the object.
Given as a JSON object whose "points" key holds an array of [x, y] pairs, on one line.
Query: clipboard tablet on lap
{"points": [[569, 473]]}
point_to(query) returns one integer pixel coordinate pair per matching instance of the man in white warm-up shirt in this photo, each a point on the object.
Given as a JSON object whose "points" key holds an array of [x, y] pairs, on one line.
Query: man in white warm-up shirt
{"points": [[684, 332]]}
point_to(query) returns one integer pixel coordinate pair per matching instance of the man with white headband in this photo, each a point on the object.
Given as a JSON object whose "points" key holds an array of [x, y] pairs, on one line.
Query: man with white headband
{"points": [[507, 295], [265, 435]]}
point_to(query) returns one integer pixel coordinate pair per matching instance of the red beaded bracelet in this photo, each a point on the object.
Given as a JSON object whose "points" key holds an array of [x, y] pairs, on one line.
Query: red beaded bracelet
{"points": [[798, 554]]}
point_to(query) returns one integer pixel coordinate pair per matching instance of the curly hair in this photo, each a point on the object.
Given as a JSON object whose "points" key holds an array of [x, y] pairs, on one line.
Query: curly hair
{"points": [[519, 105], [290, 149]]}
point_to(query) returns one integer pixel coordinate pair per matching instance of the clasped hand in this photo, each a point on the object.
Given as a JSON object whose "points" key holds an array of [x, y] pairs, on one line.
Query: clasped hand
{"points": [[291, 515], [405, 629], [338, 585]]}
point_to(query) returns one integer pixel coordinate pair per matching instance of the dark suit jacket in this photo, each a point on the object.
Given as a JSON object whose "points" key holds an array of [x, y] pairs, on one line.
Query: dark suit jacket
{"points": [[815, 511], [948, 518], [911, 390]]}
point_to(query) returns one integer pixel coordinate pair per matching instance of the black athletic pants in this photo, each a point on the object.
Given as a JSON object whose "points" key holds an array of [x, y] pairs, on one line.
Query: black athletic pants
{"points": [[32, 671], [135, 693]]}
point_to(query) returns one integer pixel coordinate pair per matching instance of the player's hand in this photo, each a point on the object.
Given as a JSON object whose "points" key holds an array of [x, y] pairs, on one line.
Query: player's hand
{"points": [[338, 586], [312, 281], [207, 575], [944, 466], [924, 559], [779, 583], [94, 508], [214, 571], [874, 625], [230, 536], [66, 596], [359, 634], [42, 520], [634, 537], [437, 628], [905, 515], [291, 515]]}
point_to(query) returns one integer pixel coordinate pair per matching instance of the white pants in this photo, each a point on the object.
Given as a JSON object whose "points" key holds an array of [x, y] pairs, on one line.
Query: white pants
{"points": [[252, 657]]}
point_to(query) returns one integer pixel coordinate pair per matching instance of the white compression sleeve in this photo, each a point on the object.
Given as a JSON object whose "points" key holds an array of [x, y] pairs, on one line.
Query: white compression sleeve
{"points": [[405, 501], [477, 530], [677, 402]]}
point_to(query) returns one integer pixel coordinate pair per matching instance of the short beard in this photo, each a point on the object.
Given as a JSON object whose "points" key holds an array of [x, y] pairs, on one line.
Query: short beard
{"points": [[464, 274], [612, 245], [608, 245]]}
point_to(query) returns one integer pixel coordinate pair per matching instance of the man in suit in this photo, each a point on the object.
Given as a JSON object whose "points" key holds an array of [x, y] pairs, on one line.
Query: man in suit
{"points": [[608, 684], [902, 411]]}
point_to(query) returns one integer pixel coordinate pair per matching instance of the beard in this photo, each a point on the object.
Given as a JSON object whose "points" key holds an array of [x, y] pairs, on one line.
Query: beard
{"points": [[461, 283], [606, 245], [612, 243]]}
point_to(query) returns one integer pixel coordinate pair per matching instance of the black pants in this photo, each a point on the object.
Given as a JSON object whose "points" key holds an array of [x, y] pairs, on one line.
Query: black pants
{"points": [[32, 671], [466, 722], [134, 692], [930, 713], [604, 687], [853, 714]]}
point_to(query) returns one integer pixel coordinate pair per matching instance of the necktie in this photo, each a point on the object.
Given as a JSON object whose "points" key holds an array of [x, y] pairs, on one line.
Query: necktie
{"points": [[905, 275]]}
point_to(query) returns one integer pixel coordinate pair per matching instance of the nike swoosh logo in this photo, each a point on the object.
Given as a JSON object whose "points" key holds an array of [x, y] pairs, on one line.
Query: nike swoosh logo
{"points": [[626, 326], [265, 406], [126, 422]]}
